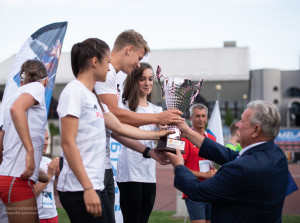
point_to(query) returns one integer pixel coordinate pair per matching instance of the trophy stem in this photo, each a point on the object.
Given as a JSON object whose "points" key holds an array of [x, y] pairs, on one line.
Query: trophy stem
{"points": [[172, 141], [175, 129]]}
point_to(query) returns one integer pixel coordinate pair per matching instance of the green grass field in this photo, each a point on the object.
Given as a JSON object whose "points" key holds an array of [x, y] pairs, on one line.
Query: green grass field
{"points": [[166, 217]]}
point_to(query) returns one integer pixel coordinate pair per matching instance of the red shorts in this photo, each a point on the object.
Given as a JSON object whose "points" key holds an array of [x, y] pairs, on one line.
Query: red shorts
{"points": [[13, 189], [50, 220]]}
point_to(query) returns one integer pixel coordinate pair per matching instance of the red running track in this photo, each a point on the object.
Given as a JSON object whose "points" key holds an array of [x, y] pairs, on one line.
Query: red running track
{"points": [[166, 193]]}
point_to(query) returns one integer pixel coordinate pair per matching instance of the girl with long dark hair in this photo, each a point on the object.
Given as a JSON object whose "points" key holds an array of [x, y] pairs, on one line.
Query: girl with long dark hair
{"points": [[136, 176]]}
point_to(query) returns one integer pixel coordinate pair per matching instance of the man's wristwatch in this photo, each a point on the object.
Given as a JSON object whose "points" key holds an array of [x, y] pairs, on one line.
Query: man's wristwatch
{"points": [[146, 153]]}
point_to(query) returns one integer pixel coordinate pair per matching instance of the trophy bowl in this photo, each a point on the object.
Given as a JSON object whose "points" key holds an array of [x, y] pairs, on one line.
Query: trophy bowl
{"points": [[178, 94]]}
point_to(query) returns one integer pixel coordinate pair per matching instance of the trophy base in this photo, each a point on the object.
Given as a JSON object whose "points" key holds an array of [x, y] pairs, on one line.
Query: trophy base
{"points": [[170, 145]]}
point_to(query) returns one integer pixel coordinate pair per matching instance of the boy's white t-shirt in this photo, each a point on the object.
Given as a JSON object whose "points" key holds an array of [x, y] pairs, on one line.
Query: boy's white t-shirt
{"points": [[112, 85], [132, 166], [76, 100], [45, 201], [14, 153]]}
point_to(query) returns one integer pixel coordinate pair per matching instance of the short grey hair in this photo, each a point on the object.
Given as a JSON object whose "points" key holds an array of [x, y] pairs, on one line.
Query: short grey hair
{"points": [[267, 116], [199, 106]]}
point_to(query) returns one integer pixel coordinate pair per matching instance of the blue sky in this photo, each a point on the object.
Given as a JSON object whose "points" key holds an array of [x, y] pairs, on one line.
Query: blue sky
{"points": [[270, 28]]}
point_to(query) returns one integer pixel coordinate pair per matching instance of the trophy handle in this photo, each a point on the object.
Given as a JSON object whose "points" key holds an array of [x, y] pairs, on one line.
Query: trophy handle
{"points": [[158, 75], [199, 88]]}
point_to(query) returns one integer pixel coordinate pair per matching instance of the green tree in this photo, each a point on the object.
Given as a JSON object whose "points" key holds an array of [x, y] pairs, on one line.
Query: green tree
{"points": [[54, 130], [228, 118]]}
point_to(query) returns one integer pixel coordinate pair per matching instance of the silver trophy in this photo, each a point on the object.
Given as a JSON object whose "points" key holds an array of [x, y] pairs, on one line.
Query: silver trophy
{"points": [[178, 93]]}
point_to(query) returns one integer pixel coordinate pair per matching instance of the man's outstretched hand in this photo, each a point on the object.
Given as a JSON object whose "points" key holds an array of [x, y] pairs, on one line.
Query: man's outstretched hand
{"points": [[159, 156], [176, 159]]}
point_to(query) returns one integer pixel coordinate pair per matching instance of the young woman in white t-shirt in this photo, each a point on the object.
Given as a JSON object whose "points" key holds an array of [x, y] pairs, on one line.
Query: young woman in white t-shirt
{"points": [[82, 121], [25, 118], [136, 176]]}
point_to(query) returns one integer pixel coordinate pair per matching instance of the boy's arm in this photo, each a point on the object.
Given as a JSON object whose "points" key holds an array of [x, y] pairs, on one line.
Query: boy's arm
{"points": [[139, 119]]}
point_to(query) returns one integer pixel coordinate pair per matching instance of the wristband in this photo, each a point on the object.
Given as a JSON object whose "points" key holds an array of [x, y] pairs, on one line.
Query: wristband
{"points": [[146, 153]]}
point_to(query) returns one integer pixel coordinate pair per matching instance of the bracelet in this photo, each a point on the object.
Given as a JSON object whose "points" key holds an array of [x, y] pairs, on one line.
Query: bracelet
{"points": [[88, 188], [146, 153]]}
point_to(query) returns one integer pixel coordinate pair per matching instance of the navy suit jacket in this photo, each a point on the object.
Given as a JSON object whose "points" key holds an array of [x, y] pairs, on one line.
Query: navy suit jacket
{"points": [[250, 188]]}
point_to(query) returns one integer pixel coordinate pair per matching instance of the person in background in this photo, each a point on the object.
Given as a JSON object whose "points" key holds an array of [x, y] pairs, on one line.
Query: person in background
{"points": [[83, 119], [129, 49], [251, 185], [199, 212], [25, 118], [44, 192], [234, 134]]}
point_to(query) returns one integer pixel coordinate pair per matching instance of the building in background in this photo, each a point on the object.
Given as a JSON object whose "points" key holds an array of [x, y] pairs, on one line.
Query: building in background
{"points": [[225, 72], [283, 89]]}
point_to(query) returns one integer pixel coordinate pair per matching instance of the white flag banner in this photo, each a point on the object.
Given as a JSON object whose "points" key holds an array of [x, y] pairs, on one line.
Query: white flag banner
{"points": [[215, 124], [44, 45]]}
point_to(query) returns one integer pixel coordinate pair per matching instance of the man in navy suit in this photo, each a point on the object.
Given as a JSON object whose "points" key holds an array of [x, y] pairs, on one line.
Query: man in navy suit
{"points": [[251, 184]]}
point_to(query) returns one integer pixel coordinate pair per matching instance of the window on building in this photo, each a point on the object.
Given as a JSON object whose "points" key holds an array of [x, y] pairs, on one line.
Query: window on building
{"points": [[275, 101], [236, 108], [1, 94], [275, 88], [292, 92], [295, 114], [231, 104]]}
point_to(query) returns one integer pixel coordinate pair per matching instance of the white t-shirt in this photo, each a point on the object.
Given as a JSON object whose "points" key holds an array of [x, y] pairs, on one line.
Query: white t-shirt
{"points": [[14, 153], [132, 166], [112, 85], [45, 200], [76, 100]]}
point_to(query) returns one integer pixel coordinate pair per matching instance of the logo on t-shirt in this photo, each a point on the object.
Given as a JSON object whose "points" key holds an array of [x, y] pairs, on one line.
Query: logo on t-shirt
{"points": [[99, 115], [95, 106]]}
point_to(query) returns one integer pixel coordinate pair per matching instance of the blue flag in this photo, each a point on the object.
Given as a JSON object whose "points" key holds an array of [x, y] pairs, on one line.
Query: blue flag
{"points": [[44, 45]]}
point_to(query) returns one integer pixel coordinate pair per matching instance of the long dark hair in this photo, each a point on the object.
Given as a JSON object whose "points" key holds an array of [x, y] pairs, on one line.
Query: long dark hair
{"points": [[131, 91], [87, 49], [82, 52]]}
